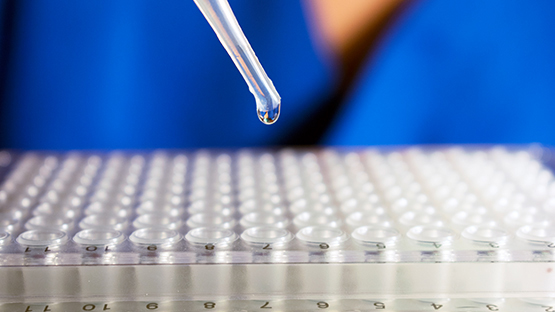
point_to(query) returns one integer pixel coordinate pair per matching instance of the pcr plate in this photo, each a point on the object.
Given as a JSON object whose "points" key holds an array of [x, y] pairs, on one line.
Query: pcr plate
{"points": [[445, 206]]}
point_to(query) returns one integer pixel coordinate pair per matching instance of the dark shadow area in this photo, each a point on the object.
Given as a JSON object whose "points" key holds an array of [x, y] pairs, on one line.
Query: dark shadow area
{"points": [[359, 53], [7, 30]]}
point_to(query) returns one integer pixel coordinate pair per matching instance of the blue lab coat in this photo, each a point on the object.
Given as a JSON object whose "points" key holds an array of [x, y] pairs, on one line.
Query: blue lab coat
{"points": [[151, 74], [465, 71], [141, 74]]}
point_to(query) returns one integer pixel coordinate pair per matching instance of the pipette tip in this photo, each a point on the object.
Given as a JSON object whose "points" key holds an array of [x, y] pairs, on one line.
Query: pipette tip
{"points": [[269, 117]]}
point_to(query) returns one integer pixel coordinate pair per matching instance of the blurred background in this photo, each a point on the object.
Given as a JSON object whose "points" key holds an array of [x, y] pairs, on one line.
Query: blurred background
{"points": [[141, 74]]}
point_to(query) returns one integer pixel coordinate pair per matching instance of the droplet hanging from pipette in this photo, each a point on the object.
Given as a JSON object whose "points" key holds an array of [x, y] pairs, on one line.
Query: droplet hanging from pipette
{"points": [[269, 117], [220, 16]]}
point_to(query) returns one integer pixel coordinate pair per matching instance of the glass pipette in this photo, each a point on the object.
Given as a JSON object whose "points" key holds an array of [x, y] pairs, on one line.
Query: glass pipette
{"points": [[225, 25]]}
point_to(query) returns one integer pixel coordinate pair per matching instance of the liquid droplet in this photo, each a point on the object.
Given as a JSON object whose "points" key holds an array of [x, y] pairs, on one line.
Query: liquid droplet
{"points": [[269, 117]]}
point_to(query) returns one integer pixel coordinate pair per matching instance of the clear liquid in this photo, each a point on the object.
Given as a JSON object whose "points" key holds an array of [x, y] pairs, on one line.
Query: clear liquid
{"points": [[269, 117]]}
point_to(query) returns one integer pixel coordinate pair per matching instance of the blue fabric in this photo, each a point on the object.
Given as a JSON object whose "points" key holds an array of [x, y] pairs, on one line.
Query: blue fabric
{"points": [[150, 74], [466, 71]]}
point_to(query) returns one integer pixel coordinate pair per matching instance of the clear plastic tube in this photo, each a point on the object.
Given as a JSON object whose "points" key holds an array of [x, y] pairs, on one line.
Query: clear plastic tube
{"points": [[220, 16]]}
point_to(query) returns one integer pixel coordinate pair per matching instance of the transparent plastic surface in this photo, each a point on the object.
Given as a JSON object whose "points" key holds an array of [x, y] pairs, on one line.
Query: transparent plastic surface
{"points": [[417, 220], [401, 205], [313, 304], [430, 282], [220, 16]]}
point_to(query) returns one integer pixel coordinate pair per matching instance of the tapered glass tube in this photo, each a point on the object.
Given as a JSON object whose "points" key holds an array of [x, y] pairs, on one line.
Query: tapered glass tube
{"points": [[220, 16]]}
